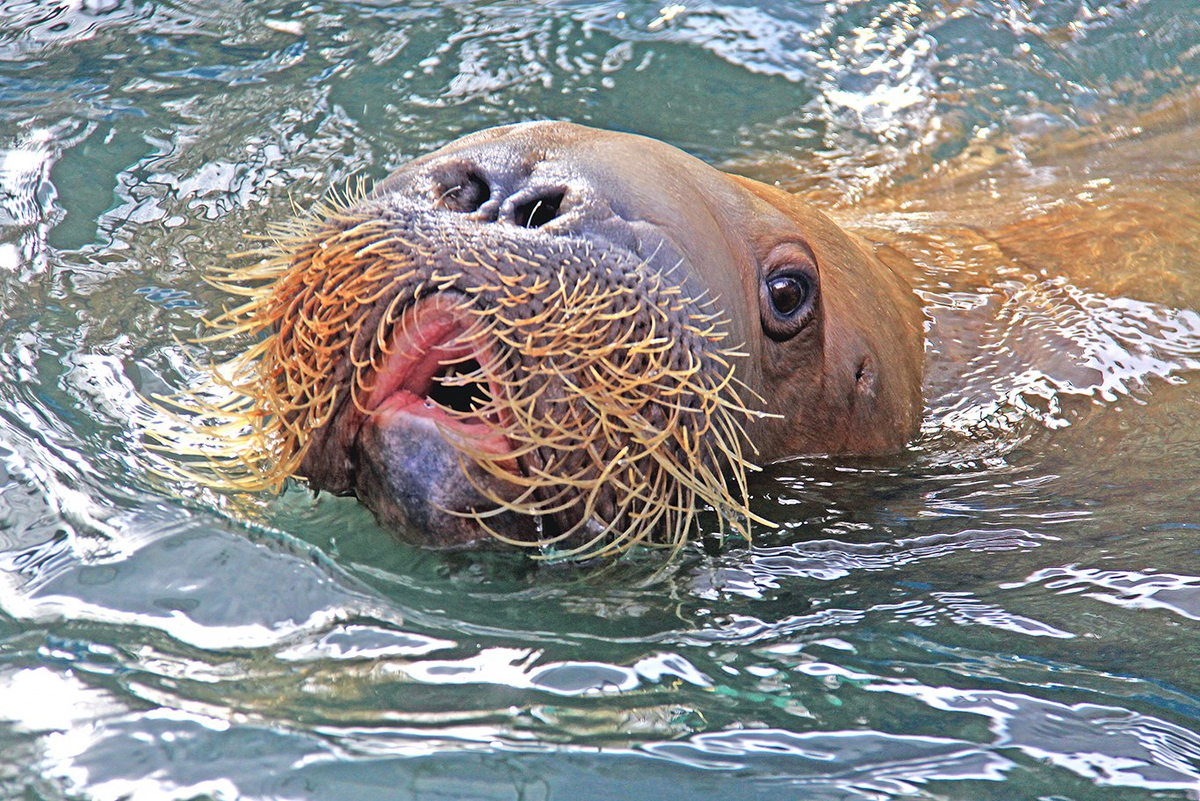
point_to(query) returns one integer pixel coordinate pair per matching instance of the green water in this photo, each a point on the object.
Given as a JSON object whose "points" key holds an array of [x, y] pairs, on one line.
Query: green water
{"points": [[1009, 610]]}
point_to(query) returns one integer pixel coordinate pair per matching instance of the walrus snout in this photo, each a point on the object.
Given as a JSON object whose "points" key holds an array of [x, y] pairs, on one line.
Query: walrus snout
{"points": [[509, 357], [530, 177]]}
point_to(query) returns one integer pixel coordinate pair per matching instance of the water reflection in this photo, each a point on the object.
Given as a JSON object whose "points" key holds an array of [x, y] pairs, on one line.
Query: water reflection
{"points": [[26, 198], [866, 763], [172, 577], [1134, 590], [1139, 750], [1049, 341], [830, 560], [1143, 752]]}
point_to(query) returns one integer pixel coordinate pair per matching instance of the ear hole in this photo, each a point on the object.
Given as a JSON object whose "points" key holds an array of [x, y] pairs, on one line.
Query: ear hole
{"points": [[864, 377], [864, 374]]}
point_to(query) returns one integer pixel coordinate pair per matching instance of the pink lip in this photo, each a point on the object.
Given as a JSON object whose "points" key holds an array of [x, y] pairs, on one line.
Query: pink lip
{"points": [[424, 342]]}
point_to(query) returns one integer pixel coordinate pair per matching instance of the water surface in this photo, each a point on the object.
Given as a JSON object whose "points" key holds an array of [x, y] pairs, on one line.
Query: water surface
{"points": [[1011, 609]]}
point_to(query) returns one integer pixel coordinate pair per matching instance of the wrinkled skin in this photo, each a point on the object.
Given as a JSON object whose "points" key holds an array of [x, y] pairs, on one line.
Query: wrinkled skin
{"points": [[842, 377]]}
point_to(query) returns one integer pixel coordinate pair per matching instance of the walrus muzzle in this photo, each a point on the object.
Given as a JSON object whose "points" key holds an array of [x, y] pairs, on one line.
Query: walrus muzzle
{"points": [[508, 361]]}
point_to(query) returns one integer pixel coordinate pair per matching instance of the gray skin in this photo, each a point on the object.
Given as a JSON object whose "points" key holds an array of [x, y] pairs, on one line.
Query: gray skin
{"points": [[842, 377]]}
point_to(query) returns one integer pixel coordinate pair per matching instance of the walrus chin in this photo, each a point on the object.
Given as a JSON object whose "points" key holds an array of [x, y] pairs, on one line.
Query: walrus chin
{"points": [[557, 338]]}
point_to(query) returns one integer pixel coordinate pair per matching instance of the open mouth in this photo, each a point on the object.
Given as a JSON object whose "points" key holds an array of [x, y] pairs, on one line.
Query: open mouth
{"points": [[427, 447], [434, 370]]}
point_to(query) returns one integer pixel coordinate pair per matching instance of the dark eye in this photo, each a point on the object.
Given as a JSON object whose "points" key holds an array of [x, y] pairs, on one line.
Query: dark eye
{"points": [[788, 293]]}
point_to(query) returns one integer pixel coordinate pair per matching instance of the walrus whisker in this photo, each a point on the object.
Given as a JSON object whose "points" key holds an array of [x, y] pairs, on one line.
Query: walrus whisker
{"points": [[620, 426], [538, 510]]}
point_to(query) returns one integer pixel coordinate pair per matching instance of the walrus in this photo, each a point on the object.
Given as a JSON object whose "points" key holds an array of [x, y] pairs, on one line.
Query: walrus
{"points": [[563, 338]]}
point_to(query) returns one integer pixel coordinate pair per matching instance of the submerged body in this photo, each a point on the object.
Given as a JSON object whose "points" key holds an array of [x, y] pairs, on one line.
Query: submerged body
{"points": [[562, 337]]}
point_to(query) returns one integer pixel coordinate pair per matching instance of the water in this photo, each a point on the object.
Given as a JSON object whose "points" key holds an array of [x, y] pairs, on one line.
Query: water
{"points": [[1009, 610]]}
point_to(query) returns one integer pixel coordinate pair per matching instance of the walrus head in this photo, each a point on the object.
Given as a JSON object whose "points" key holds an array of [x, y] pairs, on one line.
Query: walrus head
{"points": [[560, 337]]}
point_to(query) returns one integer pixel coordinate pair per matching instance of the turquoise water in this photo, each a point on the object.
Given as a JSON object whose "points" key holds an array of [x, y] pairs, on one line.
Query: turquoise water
{"points": [[1009, 610]]}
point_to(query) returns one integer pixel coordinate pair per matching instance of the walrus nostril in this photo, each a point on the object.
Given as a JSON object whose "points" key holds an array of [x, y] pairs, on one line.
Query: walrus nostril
{"points": [[466, 194], [539, 211]]}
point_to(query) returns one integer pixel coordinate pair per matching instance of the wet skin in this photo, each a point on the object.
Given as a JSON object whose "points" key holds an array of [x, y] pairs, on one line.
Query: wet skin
{"points": [[829, 337]]}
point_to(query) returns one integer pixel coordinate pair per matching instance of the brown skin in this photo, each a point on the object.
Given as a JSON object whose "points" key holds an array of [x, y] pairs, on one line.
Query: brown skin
{"points": [[842, 376], [850, 381]]}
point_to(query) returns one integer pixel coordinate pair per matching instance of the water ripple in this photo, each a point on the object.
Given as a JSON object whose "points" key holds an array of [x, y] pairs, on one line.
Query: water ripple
{"points": [[1050, 340], [1130, 589], [175, 580], [830, 560], [846, 764], [520, 669], [1109, 745]]}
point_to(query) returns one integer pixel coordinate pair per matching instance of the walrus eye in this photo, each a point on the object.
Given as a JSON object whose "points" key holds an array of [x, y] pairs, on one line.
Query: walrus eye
{"points": [[788, 292]]}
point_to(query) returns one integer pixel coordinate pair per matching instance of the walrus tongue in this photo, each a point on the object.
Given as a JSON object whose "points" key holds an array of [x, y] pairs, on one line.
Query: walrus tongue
{"points": [[409, 471]]}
